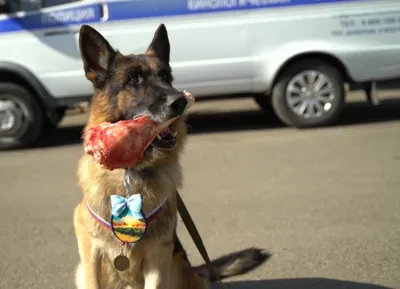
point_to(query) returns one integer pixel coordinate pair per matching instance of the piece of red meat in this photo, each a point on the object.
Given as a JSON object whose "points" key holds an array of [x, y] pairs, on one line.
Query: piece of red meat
{"points": [[122, 144]]}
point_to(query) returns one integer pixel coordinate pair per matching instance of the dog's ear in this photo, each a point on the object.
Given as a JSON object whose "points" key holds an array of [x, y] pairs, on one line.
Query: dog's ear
{"points": [[96, 53], [159, 46]]}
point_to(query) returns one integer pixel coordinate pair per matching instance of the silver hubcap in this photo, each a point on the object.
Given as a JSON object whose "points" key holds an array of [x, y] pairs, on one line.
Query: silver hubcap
{"points": [[11, 117], [309, 94]]}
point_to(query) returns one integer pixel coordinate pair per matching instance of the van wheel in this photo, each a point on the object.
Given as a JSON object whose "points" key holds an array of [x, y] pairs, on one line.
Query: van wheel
{"points": [[264, 101], [57, 115], [21, 118], [309, 93]]}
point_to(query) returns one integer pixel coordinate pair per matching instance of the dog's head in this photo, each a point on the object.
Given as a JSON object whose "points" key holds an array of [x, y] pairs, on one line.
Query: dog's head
{"points": [[127, 86]]}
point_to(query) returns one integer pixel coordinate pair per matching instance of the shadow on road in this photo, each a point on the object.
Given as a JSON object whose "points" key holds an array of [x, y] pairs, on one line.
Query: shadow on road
{"points": [[61, 137], [215, 122], [257, 257], [300, 283], [354, 114], [364, 113]]}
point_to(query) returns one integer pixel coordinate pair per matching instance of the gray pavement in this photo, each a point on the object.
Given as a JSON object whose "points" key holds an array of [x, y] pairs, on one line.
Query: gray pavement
{"points": [[325, 203]]}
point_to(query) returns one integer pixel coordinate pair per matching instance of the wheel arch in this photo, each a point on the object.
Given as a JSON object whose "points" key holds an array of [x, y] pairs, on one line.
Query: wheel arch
{"points": [[15, 73], [322, 56]]}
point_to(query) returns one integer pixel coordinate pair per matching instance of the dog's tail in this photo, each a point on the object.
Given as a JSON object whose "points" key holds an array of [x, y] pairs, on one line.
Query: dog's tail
{"points": [[234, 264]]}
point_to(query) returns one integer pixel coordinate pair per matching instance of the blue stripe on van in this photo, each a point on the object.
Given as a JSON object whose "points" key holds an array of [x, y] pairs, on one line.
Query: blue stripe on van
{"points": [[135, 9], [151, 8], [57, 18]]}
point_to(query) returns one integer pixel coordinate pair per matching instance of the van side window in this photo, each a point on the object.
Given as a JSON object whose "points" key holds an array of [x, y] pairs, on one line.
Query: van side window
{"points": [[23, 5], [4, 7], [52, 3], [12, 6]]}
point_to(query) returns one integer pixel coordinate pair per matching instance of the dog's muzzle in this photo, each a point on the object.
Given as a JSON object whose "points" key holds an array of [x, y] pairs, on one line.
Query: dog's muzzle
{"points": [[177, 103]]}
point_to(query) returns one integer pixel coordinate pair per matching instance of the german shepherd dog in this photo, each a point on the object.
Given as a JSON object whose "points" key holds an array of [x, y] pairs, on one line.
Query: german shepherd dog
{"points": [[124, 87]]}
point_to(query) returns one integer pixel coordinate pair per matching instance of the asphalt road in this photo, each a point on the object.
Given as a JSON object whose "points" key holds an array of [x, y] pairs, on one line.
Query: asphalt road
{"points": [[325, 203]]}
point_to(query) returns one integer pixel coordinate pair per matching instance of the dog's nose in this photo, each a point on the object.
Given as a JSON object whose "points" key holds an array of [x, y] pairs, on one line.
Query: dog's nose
{"points": [[177, 103]]}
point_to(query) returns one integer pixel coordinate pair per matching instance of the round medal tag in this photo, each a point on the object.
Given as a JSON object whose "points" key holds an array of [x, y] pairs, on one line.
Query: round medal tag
{"points": [[121, 263]]}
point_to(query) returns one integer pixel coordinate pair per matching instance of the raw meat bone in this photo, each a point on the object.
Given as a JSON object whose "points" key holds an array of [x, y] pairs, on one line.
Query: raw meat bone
{"points": [[122, 144]]}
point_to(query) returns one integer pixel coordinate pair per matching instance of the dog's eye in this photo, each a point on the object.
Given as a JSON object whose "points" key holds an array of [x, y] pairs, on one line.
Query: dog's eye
{"points": [[134, 79]]}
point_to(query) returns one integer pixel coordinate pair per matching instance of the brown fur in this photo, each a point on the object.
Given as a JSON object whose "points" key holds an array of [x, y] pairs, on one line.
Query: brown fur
{"points": [[158, 260]]}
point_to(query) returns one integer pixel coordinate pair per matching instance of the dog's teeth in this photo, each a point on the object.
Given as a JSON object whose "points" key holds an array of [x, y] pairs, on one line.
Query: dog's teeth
{"points": [[159, 137], [175, 133]]}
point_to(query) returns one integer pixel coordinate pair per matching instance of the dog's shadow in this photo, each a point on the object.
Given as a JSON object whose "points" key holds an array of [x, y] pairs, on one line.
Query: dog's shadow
{"points": [[255, 257], [299, 283]]}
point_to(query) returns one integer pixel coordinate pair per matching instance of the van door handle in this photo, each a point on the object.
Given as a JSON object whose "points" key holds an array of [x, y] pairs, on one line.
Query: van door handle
{"points": [[58, 32]]}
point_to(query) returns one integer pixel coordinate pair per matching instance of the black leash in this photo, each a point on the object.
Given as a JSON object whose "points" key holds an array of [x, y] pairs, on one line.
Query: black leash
{"points": [[190, 226]]}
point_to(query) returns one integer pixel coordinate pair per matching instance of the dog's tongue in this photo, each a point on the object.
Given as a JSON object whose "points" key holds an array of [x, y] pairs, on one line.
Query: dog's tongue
{"points": [[122, 144], [165, 132]]}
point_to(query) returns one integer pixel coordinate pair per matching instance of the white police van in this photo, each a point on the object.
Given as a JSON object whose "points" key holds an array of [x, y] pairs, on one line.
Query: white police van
{"points": [[291, 55]]}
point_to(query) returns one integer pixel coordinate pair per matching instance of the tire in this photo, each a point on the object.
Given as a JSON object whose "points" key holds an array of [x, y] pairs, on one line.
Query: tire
{"points": [[18, 102], [50, 123], [322, 111], [264, 102]]}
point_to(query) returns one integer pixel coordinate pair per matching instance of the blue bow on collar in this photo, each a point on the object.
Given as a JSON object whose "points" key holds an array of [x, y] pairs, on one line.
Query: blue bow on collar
{"points": [[134, 203]]}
